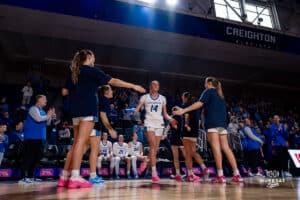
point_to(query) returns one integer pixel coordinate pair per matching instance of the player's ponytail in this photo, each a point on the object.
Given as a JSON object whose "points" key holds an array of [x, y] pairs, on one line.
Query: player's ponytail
{"points": [[78, 60], [216, 84]]}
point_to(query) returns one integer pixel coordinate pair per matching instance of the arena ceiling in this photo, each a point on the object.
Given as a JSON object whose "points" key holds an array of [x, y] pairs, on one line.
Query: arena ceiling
{"points": [[40, 37]]}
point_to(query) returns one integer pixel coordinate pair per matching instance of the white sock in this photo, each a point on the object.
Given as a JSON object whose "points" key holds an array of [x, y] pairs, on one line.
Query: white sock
{"points": [[177, 171], [236, 172], [134, 168], [203, 166], [128, 172], [93, 175], [190, 172], [220, 172], [154, 172], [75, 174], [65, 175], [117, 166]]}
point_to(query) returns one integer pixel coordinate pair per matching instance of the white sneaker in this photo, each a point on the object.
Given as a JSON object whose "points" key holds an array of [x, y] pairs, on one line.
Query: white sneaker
{"points": [[259, 174], [25, 181], [250, 174], [287, 174]]}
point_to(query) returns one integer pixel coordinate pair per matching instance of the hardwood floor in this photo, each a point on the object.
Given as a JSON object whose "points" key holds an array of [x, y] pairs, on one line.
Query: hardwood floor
{"points": [[253, 188]]}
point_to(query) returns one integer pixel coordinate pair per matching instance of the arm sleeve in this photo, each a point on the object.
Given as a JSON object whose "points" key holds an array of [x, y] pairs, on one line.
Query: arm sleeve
{"points": [[35, 114], [205, 96], [164, 101], [252, 136], [100, 77]]}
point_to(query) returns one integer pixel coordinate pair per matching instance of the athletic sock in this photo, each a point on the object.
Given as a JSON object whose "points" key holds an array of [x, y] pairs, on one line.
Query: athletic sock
{"points": [[65, 175], [177, 171], [190, 172], [93, 175], [236, 172], [203, 166], [75, 174], [154, 172], [220, 172]]}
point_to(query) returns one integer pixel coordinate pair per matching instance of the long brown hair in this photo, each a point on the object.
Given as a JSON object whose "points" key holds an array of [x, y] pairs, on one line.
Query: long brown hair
{"points": [[216, 84], [78, 60]]}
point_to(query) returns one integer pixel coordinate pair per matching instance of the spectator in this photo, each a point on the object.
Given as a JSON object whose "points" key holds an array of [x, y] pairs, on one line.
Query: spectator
{"points": [[127, 113], [35, 136], [139, 129], [64, 133], [3, 105], [17, 135], [6, 119], [254, 144], [233, 126], [279, 142], [27, 94], [133, 100], [268, 141], [3, 140], [113, 113]]}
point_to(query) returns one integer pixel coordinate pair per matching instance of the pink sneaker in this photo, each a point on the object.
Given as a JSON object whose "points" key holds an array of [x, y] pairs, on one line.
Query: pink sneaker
{"points": [[178, 178], [79, 183], [155, 179], [192, 178], [142, 168], [237, 178], [62, 182], [219, 179], [205, 174]]}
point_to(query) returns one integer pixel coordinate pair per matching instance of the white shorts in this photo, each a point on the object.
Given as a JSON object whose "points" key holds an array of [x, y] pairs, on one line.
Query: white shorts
{"points": [[95, 133], [77, 120], [219, 130], [158, 131], [190, 138]]}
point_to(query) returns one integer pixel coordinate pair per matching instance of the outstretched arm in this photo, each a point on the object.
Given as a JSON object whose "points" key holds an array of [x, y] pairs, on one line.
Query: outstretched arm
{"points": [[119, 83], [195, 106]]}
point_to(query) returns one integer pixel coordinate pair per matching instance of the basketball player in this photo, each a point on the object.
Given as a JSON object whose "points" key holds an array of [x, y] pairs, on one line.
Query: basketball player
{"points": [[137, 153], [176, 144], [82, 86], [106, 153], [189, 137], [120, 151], [105, 93], [212, 99], [155, 106]]}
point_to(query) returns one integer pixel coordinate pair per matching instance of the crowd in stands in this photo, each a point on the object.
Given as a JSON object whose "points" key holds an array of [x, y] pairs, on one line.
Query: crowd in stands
{"points": [[265, 130]]}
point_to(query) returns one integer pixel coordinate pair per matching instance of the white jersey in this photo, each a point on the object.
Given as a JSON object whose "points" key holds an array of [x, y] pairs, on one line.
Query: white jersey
{"points": [[120, 150], [154, 116], [104, 147], [135, 149]]}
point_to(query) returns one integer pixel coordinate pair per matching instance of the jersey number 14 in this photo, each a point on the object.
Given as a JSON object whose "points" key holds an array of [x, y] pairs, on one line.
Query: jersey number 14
{"points": [[154, 108]]}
